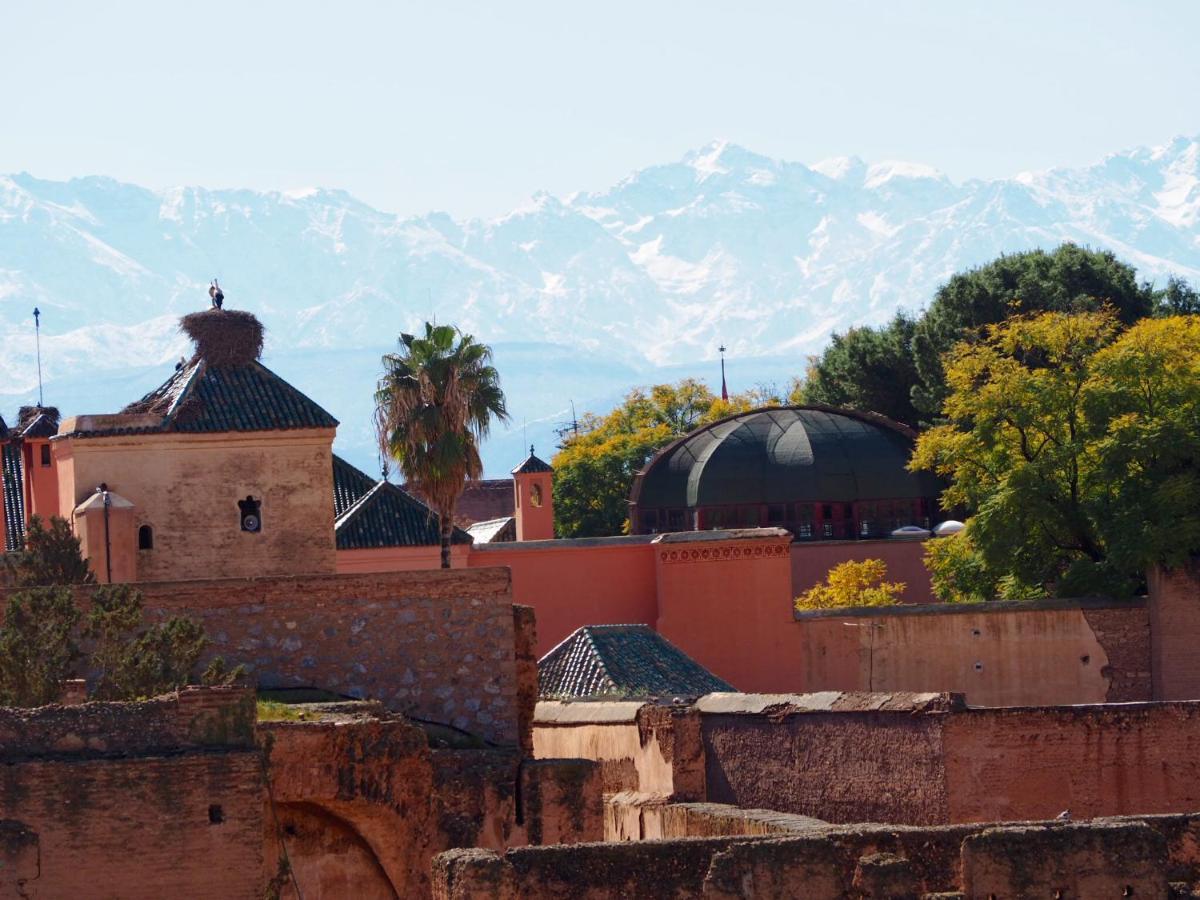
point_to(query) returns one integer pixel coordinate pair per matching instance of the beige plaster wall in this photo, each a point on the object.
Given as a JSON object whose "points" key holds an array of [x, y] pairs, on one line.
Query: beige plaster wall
{"points": [[186, 487], [1026, 655], [626, 763]]}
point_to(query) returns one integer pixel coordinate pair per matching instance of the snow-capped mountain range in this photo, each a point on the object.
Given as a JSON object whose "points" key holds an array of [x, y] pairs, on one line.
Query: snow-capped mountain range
{"points": [[724, 246]]}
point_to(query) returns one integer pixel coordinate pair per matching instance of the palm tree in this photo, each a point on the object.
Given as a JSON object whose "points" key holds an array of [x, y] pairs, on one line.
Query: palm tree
{"points": [[435, 402]]}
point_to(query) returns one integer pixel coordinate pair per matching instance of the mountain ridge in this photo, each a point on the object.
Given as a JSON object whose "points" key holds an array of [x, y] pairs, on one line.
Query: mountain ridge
{"points": [[721, 246]]}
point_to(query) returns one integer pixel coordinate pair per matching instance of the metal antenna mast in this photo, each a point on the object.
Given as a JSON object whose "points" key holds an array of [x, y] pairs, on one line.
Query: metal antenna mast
{"points": [[37, 332]]}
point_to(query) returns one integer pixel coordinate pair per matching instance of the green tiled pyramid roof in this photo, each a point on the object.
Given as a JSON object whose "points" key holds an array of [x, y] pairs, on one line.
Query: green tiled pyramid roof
{"points": [[371, 514], [202, 397], [12, 496], [627, 661], [532, 464]]}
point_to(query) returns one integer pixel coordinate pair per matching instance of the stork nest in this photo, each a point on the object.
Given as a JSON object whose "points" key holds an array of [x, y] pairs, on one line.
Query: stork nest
{"points": [[224, 337], [26, 414]]}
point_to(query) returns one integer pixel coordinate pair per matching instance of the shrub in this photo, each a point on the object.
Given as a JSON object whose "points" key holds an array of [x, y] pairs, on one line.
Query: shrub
{"points": [[852, 583]]}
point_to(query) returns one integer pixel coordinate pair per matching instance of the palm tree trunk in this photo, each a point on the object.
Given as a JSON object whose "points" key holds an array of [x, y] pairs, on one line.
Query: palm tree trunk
{"points": [[447, 525]]}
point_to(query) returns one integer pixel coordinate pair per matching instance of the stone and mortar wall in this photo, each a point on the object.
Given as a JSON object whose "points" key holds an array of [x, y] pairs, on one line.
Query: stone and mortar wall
{"points": [[996, 654], [437, 645], [137, 800], [1115, 858]]}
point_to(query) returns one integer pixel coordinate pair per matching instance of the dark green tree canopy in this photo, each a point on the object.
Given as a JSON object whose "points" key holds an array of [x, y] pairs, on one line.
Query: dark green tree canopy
{"points": [[1067, 279], [897, 369], [870, 369]]}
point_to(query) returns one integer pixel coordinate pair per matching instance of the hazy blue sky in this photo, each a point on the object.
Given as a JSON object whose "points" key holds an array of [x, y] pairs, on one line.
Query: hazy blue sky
{"points": [[472, 107]]}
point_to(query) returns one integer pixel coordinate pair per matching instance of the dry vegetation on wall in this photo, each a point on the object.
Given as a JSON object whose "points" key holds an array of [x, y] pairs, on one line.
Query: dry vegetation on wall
{"points": [[224, 337], [853, 583]]}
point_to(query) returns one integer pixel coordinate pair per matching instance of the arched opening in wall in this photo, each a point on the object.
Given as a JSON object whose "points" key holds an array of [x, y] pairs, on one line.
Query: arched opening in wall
{"points": [[145, 538], [329, 858], [535, 495]]}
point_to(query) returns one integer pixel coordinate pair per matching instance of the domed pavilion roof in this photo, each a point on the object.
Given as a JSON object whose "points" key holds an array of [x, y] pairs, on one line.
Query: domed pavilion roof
{"points": [[784, 455]]}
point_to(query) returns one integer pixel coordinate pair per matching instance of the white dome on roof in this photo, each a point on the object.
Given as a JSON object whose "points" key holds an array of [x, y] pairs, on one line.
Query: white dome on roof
{"points": [[949, 527]]}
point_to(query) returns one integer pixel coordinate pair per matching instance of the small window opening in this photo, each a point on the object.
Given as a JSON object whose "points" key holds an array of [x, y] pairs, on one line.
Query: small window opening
{"points": [[535, 495], [216, 815], [145, 538], [251, 514], [978, 667], [45, 454]]}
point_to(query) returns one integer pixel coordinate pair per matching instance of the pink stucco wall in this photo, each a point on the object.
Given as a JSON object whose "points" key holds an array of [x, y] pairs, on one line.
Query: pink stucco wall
{"points": [[603, 581]]}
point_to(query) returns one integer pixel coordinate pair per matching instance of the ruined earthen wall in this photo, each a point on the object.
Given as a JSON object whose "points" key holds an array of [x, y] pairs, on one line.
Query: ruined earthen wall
{"points": [[1015, 764], [1116, 858], [836, 766], [362, 805], [438, 645], [997, 654], [1175, 626], [161, 799], [525, 653]]}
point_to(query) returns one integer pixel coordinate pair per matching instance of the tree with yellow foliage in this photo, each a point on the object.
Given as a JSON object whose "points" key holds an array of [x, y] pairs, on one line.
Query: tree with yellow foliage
{"points": [[852, 583], [1075, 447], [594, 470]]}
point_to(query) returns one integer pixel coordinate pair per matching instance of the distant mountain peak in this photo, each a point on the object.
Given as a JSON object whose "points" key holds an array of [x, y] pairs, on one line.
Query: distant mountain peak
{"points": [[720, 246]]}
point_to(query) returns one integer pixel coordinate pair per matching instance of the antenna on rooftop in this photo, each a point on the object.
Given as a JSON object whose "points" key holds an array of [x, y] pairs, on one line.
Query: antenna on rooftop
{"points": [[37, 332]]}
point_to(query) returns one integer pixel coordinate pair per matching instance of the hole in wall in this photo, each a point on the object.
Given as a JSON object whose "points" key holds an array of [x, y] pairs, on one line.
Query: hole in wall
{"points": [[978, 667], [216, 815], [975, 632], [1085, 659]]}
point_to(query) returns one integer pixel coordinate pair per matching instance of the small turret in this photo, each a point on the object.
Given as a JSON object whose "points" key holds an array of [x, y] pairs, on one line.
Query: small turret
{"points": [[533, 486]]}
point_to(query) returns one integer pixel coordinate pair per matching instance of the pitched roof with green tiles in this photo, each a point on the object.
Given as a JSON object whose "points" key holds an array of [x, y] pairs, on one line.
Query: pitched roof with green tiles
{"points": [[12, 498], [371, 514], [627, 661], [532, 464], [202, 397]]}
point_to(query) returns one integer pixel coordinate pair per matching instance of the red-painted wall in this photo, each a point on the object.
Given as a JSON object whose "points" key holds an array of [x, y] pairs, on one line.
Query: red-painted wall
{"points": [[727, 604], [607, 581]]}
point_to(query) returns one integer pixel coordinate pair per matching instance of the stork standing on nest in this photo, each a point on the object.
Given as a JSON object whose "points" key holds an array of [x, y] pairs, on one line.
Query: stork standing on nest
{"points": [[216, 294]]}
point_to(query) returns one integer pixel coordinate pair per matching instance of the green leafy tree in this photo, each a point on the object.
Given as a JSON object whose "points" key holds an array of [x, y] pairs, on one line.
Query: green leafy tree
{"points": [[595, 469], [869, 369], [853, 583], [37, 647], [897, 369], [51, 556], [435, 402], [1178, 298]]}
